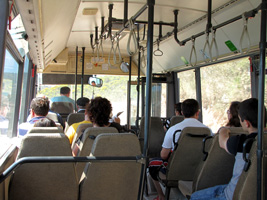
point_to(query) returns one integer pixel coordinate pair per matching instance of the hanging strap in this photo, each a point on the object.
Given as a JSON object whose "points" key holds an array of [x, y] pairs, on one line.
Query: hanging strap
{"points": [[193, 51], [158, 52], [112, 51], [143, 58], [244, 33], [207, 44], [132, 36], [118, 49], [214, 42]]}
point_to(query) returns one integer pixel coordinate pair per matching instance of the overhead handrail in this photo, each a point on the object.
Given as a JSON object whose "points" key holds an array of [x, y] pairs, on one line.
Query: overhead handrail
{"points": [[118, 48], [207, 44], [112, 51], [132, 36], [214, 42], [244, 33], [193, 51], [175, 30]]}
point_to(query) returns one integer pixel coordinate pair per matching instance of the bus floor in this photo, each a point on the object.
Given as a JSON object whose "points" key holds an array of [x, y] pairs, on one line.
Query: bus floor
{"points": [[151, 191]]}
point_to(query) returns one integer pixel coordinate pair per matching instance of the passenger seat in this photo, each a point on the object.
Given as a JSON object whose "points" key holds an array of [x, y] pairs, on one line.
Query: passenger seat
{"points": [[74, 118], [44, 181]]}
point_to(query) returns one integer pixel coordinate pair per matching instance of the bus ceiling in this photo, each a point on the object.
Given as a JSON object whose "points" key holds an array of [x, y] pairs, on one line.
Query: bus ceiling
{"points": [[186, 34]]}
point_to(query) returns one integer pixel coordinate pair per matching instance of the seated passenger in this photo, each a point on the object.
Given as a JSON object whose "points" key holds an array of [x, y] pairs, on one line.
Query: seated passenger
{"points": [[38, 109], [81, 104], [73, 128], [190, 110], [248, 115], [98, 111], [64, 96], [45, 122], [232, 114], [178, 109]]}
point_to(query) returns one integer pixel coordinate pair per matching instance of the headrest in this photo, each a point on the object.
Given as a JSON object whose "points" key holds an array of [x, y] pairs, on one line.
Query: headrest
{"points": [[116, 144], [46, 130]]}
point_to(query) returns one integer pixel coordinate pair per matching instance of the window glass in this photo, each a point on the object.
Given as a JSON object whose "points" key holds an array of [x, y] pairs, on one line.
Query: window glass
{"points": [[7, 107], [187, 85], [221, 84], [24, 94]]}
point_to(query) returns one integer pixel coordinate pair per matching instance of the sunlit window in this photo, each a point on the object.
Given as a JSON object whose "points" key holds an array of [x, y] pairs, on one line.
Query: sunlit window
{"points": [[187, 85], [221, 84]]}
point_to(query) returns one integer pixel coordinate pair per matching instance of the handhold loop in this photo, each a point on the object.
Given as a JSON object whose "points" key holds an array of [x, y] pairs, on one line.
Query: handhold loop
{"points": [[143, 58], [214, 42], [193, 51], [132, 36], [158, 52], [118, 48], [206, 57], [245, 33], [112, 51]]}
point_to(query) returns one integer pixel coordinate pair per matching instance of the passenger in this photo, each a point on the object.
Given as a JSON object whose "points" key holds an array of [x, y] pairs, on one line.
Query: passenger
{"points": [[73, 128], [248, 115], [232, 114], [178, 109], [64, 96], [45, 122], [98, 111], [81, 104], [38, 109], [190, 110]]}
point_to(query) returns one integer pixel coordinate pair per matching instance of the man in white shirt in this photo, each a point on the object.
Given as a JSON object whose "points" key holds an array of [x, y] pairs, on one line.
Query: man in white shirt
{"points": [[190, 110]]}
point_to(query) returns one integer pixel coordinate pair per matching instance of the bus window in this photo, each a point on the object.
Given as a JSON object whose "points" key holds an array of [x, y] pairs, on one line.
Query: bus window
{"points": [[187, 85], [232, 84]]}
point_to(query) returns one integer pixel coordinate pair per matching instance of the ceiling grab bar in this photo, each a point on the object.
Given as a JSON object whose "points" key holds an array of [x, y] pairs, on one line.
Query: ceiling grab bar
{"points": [[175, 30], [118, 48], [132, 35], [214, 42], [193, 50], [244, 33]]}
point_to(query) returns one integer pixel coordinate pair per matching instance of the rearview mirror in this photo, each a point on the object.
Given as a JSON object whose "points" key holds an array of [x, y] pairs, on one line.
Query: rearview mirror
{"points": [[95, 82]]}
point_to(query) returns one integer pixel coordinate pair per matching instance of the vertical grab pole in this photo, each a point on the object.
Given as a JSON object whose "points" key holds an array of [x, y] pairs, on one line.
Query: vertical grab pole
{"points": [[129, 95], [151, 4], [83, 48], [260, 190], [76, 72], [138, 80], [125, 19]]}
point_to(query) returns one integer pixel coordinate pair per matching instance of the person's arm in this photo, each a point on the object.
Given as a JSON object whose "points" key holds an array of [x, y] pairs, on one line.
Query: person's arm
{"points": [[164, 154], [223, 137]]}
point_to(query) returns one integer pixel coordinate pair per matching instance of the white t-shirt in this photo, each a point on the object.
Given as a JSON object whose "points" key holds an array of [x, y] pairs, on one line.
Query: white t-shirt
{"points": [[187, 122]]}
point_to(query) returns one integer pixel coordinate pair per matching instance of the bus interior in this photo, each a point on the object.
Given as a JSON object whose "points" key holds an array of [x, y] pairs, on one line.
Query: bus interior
{"points": [[144, 56]]}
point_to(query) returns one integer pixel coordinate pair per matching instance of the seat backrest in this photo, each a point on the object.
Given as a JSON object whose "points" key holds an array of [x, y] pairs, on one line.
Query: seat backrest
{"points": [[44, 181], [112, 179], [45, 130], [62, 107], [156, 136], [74, 118], [81, 128], [176, 119], [186, 157], [246, 187], [217, 169], [87, 142]]}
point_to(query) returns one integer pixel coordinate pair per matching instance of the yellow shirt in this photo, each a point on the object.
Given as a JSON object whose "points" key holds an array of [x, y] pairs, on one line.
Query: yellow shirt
{"points": [[73, 129]]}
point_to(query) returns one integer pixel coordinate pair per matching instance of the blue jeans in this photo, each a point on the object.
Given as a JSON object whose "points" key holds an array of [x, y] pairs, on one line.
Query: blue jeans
{"points": [[216, 192]]}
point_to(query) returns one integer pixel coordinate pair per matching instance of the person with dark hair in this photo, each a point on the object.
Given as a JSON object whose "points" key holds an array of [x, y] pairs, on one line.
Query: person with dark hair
{"points": [[98, 111], [178, 109], [81, 104], [190, 110], [64, 96], [45, 122], [38, 109], [232, 114], [248, 115]]}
